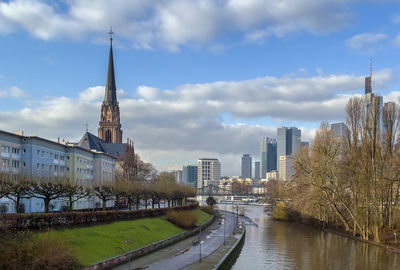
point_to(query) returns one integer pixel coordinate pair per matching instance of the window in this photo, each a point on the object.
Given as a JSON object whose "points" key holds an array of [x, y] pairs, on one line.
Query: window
{"points": [[42, 166], [15, 164], [38, 166], [51, 155], [42, 153], [56, 156], [38, 152], [62, 158], [5, 149], [15, 150]]}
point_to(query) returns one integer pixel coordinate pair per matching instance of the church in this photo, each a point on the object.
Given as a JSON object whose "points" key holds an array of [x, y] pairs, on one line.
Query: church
{"points": [[109, 138]]}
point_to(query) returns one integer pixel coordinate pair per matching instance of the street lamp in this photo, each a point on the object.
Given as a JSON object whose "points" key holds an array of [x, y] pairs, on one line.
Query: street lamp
{"points": [[200, 243], [128, 241]]}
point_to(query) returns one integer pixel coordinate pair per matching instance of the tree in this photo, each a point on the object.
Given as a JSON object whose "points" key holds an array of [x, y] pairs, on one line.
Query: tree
{"points": [[211, 201], [19, 187], [48, 189], [105, 192], [74, 192]]}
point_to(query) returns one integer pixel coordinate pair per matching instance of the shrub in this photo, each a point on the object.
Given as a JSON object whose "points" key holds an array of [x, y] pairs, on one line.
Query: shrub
{"points": [[279, 212], [183, 219], [24, 251], [208, 209]]}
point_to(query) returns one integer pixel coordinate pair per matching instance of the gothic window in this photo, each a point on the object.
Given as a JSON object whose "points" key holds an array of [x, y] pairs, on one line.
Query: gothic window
{"points": [[108, 136]]}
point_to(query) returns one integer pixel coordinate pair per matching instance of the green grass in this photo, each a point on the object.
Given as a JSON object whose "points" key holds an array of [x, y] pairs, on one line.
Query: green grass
{"points": [[203, 216], [96, 243], [100, 242]]}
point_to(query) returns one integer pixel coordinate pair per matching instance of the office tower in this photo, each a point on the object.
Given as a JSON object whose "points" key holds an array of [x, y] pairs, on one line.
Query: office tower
{"points": [[368, 81], [208, 169], [267, 156], [246, 166], [189, 175], [285, 168], [288, 141], [305, 144], [177, 174], [257, 170], [339, 130]]}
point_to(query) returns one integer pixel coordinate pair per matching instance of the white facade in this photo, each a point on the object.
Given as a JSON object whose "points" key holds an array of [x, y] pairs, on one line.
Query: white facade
{"points": [[285, 168], [208, 169], [273, 175]]}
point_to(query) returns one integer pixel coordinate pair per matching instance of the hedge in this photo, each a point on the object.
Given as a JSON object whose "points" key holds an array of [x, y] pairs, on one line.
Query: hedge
{"points": [[46, 221]]}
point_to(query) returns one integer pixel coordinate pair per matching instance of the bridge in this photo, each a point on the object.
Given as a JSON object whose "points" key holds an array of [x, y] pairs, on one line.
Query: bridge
{"points": [[211, 190]]}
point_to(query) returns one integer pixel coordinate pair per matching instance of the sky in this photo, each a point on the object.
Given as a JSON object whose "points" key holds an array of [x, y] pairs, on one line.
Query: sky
{"points": [[195, 78]]}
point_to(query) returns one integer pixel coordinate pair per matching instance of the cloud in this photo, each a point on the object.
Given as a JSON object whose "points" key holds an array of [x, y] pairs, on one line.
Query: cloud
{"points": [[172, 24], [173, 127], [14, 92], [367, 42]]}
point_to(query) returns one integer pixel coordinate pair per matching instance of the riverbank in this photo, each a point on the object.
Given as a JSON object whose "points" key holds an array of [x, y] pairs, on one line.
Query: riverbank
{"points": [[389, 240], [100, 242]]}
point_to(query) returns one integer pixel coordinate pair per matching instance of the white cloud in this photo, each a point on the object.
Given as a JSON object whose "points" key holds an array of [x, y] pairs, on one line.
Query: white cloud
{"points": [[366, 42], [172, 23], [175, 127], [14, 92]]}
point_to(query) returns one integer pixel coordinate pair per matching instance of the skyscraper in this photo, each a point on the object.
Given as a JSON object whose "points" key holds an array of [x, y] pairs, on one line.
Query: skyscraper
{"points": [[288, 141], [208, 169], [246, 166], [257, 170], [339, 130], [190, 175], [267, 156]]}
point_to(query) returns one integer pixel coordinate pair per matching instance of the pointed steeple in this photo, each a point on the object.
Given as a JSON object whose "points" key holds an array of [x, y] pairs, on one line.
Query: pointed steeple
{"points": [[110, 96]]}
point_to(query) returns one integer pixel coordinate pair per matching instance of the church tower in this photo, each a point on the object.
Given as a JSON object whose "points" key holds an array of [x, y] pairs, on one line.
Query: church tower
{"points": [[110, 126]]}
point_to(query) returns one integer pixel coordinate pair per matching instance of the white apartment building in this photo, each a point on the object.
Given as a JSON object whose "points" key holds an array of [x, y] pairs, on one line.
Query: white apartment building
{"points": [[208, 169]]}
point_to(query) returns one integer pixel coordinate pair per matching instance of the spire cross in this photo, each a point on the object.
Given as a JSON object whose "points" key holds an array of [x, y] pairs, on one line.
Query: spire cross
{"points": [[111, 33]]}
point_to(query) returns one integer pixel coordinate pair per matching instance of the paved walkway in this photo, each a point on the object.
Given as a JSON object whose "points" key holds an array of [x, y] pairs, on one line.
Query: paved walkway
{"points": [[184, 253]]}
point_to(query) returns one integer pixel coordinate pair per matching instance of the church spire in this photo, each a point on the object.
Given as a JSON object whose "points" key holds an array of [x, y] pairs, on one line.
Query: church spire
{"points": [[110, 96]]}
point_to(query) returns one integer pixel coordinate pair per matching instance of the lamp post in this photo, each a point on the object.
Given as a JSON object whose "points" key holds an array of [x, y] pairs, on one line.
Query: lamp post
{"points": [[224, 228], [128, 241], [200, 244]]}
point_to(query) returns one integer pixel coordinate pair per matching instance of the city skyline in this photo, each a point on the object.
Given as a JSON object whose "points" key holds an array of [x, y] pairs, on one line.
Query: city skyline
{"points": [[212, 91]]}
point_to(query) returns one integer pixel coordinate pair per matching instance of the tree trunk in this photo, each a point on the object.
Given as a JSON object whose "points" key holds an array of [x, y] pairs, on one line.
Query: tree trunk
{"points": [[17, 202], [70, 203], [46, 205], [104, 204]]}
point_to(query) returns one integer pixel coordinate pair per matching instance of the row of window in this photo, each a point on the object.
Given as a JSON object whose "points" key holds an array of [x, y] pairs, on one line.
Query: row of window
{"points": [[84, 161], [6, 163], [84, 171], [51, 155], [41, 166], [9, 149]]}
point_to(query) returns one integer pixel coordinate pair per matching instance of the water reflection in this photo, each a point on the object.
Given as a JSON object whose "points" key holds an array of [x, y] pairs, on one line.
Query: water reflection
{"points": [[279, 245]]}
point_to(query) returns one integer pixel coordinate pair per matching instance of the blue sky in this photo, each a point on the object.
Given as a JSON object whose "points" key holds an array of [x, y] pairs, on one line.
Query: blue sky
{"points": [[197, 78]]}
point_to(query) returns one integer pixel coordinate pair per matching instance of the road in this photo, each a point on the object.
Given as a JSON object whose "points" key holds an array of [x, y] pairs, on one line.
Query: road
{"points": [[184, 252]]}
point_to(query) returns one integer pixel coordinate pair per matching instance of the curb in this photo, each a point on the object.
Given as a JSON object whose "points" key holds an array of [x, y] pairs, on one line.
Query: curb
{"points": [[120, 259]]}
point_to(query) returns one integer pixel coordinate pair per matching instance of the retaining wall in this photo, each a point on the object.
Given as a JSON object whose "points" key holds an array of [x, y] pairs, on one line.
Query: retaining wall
{"points": [[124, 258]]}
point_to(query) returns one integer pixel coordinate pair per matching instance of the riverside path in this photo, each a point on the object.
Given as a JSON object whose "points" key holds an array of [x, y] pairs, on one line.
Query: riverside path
{"points": [[184, 253]]}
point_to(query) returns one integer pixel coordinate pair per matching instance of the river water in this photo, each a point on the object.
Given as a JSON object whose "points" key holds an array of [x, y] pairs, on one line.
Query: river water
{"points": [[280, 245]]}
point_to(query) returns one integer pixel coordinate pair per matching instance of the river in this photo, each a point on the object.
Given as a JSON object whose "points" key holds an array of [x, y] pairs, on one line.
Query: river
{"points": [[280, 245]]}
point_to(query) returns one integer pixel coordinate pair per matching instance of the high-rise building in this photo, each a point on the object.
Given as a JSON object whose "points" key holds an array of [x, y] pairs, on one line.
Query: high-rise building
{"points": [[267, 156], [339, 130], [257, 170], [246, 166], [288, 141], [177, 174], [208, 169], [110, 126], [189, 175], [285, 168]]}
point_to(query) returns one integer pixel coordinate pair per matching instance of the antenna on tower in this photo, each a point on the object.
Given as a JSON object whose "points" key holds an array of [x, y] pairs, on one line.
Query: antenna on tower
{"points": [[111, 33], [87, 126], [370, 67]]}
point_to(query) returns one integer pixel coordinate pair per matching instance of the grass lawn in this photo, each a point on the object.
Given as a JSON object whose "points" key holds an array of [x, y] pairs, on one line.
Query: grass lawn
{"points": [[100, 242], [203, 216]]}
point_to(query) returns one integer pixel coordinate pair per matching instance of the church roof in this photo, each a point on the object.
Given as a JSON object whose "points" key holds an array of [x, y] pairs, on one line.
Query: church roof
{"points": [[92, 142], [110, 96]]}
